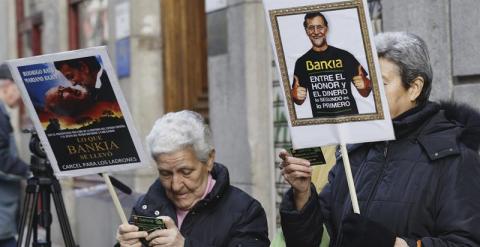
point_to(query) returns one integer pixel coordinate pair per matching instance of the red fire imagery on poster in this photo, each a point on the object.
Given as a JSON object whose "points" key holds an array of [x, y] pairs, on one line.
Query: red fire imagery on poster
{"points": [[79, 113]]}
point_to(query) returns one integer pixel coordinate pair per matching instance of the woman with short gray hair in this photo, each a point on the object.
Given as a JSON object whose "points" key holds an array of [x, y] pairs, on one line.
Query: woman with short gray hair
{"points": [[421, 189], [193, 195], [409, 52], [179, 130]]}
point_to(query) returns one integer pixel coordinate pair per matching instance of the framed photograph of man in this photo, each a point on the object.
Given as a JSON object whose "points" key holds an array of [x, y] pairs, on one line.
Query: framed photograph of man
{"points": [[329, 72], [326, 62]]}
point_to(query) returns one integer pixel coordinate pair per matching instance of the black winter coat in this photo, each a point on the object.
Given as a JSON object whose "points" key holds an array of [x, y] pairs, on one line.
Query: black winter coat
{"points": [[425, 185], [10, 163], [227, 216]]}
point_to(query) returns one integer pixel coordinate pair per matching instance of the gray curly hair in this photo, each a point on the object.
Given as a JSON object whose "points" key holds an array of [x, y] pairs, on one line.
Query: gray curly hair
{"points": [[179, 130]]}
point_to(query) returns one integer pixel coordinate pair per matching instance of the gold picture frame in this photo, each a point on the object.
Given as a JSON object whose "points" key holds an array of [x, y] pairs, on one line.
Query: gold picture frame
{"points": [[360, 9]]}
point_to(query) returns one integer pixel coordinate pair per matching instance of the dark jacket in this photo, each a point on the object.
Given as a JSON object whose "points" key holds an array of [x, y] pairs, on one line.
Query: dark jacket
{"points": [[12, 171], [425, 185], [105, 92], [227, 216], [10, 163]]}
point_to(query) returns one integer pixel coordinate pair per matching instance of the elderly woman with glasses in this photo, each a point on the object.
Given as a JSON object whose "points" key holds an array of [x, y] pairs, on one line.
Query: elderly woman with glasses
{"points": [[193, 195], [422, 189]]}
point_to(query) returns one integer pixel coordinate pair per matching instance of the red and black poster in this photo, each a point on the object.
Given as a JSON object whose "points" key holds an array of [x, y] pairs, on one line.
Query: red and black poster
{"points": [[79, 112]]}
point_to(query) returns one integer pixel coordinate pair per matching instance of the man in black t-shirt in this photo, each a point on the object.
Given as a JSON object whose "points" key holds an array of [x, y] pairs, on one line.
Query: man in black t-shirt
{"points": [[326, 72]]}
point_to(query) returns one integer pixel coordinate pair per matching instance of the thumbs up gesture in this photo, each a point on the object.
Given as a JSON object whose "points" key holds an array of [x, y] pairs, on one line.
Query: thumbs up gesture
{"points": [[299, 93], [361, 82], [359, 79]]}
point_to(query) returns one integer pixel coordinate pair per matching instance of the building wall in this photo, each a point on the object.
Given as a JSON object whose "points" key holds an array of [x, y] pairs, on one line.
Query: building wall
{"points": [[240, 85], [7, 27], [240, 98], [142, 90]]}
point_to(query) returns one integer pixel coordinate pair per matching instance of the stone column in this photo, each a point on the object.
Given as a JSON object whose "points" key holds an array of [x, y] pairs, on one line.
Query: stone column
{"points": [[240, 102], [466, 62], [143, 89]]}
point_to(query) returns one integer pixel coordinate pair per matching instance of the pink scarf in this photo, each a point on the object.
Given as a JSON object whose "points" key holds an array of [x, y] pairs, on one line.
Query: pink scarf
{"points": [[181, 214]]}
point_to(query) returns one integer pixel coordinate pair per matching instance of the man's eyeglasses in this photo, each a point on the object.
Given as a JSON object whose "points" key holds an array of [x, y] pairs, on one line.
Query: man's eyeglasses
{"points": [[313, 28]]}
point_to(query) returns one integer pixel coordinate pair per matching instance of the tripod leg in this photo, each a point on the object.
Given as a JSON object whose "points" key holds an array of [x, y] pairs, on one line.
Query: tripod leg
{"points": [[44, 216], [24, 215], [62, 214], [28, 212]]}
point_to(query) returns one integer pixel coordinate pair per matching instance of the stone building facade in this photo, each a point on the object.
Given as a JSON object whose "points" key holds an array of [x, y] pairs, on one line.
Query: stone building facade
{"points": [[243, 99]]}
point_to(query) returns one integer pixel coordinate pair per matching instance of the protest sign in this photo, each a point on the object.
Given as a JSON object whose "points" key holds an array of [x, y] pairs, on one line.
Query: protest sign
{"points": [[329, 72], [79, 112]]}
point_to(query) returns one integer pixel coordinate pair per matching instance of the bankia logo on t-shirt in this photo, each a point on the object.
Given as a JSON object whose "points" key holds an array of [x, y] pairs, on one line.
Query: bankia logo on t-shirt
{"points": [[328, 76]]}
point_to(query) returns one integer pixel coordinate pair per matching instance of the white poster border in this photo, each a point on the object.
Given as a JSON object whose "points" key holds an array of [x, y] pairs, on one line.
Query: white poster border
{"points": [[107, 66], [313, 134]]}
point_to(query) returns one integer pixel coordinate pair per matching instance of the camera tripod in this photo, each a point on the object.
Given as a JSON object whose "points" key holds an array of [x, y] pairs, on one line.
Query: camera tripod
{"points": [[36, 208]]}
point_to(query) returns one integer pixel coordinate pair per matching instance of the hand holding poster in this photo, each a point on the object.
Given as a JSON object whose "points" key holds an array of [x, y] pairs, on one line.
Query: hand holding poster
{"points": [[330, 75], [79, 112]]}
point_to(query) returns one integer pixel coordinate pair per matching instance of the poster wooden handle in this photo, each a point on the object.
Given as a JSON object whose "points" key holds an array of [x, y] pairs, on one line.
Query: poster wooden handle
{"points": [[114, 196], [348, 173]]}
